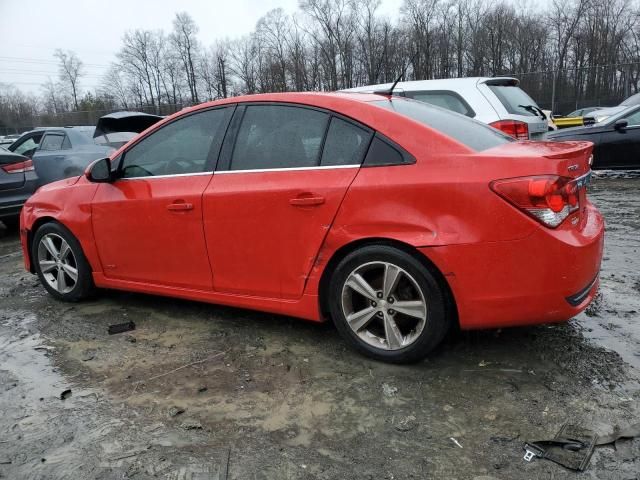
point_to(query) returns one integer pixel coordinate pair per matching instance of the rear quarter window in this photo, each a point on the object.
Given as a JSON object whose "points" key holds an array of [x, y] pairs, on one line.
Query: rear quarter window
{"points": [[472, 133]]}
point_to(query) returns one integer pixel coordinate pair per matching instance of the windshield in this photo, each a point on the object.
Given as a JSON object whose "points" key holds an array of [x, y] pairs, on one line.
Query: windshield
{"points": [[632, 100], [475, 135], [515, 100]]}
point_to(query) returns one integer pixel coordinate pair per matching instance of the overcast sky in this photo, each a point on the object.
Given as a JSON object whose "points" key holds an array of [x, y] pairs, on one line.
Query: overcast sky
{"points": [[31, 30]]}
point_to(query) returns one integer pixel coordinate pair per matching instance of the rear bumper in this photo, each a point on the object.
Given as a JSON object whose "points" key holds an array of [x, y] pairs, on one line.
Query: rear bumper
{"points": [[549, 276]]}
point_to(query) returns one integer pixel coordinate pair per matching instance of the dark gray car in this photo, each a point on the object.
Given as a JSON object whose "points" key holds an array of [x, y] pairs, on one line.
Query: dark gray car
{"points": [[59, 152], [18, 181]]}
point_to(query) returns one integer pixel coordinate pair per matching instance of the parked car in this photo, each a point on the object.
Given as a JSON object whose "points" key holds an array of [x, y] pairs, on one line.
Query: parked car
{"points": [[498, 102], [581, 112], [616, 140], [604, 113], [59, 152], [395, 218], [18, 181]]}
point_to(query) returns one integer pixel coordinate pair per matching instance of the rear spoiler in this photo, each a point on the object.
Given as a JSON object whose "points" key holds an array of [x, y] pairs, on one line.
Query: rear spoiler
{"points": [[501, 81], [134, 122]]}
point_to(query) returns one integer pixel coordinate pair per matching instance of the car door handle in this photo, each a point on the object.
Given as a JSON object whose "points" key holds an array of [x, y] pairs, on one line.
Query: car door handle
{"points": [[180, 207], [308, 200]]}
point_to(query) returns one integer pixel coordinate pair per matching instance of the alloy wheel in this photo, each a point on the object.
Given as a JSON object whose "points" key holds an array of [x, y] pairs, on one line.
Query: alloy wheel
{"points": [[57, 263], [384, 305]]}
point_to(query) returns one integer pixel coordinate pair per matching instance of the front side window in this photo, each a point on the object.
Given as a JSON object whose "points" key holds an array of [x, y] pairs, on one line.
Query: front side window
{"points": [[52, 142], [633, 119], [346, 143], [181, 147], [445, 99], [27, 146], [279, 136]]}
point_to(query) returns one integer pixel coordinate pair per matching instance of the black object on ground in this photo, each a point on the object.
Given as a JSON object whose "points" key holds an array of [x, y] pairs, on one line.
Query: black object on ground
{"points": [[121, 327], [66, 394], [573, 445]]}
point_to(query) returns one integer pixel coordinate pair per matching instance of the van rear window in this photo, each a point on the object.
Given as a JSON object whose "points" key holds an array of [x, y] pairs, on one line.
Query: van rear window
{"points": [[472, 133], [514, 100]]}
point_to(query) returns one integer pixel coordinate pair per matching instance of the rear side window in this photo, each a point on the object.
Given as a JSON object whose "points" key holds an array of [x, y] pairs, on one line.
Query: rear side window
{"points": [[345, 143], [279, 136], [51, 143], [514, 99], [445, 99], [475, 135]]}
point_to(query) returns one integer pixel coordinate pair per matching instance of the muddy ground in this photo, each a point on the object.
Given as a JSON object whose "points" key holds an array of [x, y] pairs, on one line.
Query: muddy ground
{"points": [[205, 392]]}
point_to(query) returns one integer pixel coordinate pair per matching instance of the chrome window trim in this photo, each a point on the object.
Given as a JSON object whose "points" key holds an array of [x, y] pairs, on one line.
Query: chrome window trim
{"points": [[287, 169], [167, 176]]}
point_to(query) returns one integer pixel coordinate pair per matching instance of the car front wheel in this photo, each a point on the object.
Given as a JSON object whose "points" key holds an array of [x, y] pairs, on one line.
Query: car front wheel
{"points": [[60, 263], [387, 304]]}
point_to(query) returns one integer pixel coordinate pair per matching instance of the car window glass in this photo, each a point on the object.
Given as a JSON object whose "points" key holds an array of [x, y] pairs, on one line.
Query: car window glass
{"points": [[66, 144], [28, 144], [633, 119], [448, 100], [632, 100], [279, 136], [345, 143], [514, 99], [181, 147], [472, 133], [52, 143]]}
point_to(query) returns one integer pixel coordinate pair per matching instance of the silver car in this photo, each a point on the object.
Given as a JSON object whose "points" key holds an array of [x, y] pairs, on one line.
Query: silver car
{"points": [[497, 101]]}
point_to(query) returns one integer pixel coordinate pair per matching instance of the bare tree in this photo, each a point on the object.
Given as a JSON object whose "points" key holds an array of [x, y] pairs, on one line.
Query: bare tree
{"points": [[70, 72], [186, 44]]}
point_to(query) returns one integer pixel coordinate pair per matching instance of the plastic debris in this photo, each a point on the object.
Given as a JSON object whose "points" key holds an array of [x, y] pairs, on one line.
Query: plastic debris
{"points": [[121, 327]]}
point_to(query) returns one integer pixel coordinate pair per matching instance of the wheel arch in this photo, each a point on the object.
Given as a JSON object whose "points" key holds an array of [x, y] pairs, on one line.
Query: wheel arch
{"points": [[346, 249]]}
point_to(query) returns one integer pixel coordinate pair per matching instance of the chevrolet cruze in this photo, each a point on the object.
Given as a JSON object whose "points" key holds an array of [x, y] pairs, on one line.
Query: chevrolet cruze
{"points": [[394, 218]]}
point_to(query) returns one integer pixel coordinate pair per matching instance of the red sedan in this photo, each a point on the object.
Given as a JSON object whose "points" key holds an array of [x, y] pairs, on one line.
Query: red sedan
{"points": [[394, 218]]}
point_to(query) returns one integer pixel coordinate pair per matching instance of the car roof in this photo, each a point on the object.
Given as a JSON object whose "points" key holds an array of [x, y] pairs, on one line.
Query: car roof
{"points": [[444, 84]]}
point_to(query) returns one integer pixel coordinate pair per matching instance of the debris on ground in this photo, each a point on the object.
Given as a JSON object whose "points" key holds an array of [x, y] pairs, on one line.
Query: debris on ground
{"points": [[121, 327], [65, 394], [88, 354], [406, 424], [455, 441], [389, 390], [191, 424], [175, 411]]}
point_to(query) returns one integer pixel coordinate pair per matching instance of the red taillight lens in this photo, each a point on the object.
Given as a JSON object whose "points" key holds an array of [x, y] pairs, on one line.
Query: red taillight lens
{"points": [[516, 129], [20, 167], [547, 198]]}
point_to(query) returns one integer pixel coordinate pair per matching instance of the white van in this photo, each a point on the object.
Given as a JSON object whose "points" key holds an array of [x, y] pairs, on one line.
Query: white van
{"points": [[497, 101]]}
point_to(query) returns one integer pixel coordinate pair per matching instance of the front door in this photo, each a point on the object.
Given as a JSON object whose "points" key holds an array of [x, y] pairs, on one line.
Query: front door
{"points": [[268, 211], [621, 148], [148, 223]]}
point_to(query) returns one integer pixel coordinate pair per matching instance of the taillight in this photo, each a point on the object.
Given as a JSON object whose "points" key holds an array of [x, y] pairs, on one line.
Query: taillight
{"points": [[20, 167], [547, 198], [515, 128]]}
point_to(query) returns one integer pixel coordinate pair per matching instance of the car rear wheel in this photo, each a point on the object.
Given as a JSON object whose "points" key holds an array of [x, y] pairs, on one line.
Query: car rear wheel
{"points": [[60, 263], [387, 304]]}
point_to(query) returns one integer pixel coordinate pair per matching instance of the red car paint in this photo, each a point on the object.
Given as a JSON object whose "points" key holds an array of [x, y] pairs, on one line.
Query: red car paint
{"points": [[263, 239]]}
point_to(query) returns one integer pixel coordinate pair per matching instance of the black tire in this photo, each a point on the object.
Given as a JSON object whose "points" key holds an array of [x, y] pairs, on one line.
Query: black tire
{"points": [[435, 324], [84, 285]]}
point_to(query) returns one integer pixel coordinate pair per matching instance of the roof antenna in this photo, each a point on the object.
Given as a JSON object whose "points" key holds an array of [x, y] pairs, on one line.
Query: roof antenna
{"points": [[404, 70]]}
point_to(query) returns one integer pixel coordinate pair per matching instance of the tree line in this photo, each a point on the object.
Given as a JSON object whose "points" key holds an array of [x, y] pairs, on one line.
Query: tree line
{"points": [[567, 53]]}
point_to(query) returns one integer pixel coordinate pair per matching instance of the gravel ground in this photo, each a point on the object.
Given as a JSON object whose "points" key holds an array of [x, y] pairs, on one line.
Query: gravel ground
{"points": [[198, 391]]}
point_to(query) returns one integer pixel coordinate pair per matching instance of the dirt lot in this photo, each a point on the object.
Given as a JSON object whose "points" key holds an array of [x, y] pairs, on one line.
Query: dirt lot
{"points": [[205, 392]]}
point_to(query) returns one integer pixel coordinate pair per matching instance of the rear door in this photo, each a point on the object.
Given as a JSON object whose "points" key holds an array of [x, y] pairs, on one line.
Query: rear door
{"points": [[47, 160], [282, 175]]}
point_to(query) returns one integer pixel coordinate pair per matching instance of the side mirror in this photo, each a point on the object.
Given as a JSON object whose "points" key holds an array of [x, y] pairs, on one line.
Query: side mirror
{"points": [[99, 171], [621, 125]]}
